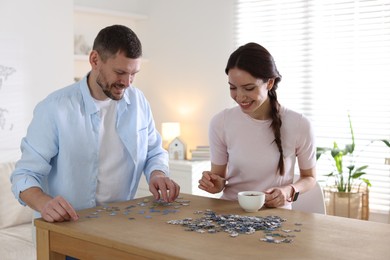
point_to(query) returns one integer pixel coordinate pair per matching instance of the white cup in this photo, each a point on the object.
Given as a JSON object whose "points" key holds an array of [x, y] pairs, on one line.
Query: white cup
{"points": [[251, 201]]}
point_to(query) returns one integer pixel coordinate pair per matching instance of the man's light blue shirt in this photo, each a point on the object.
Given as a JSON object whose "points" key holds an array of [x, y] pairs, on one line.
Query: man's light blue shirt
{"points": [[60, 150]]}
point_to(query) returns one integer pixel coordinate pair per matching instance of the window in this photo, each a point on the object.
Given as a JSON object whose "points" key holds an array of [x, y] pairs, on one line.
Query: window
{"points": [[334, 57]]}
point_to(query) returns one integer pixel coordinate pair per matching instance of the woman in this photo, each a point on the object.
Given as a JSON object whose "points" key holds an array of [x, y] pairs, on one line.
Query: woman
{"points": [[254, 145]]}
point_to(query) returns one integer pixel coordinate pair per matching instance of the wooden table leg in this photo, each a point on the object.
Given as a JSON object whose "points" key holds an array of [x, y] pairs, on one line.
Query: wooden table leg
{"points": [[43, 247]]}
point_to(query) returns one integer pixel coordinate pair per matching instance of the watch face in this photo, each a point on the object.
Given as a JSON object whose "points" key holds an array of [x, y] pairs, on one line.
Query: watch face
{"points": [[296, 194]]}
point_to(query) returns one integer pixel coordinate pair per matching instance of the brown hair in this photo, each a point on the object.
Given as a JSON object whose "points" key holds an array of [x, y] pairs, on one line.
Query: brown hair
{"points": [[116, 38], [257, 61]]}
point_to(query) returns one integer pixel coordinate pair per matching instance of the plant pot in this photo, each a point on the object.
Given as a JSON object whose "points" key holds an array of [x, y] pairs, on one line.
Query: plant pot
{"points": [[352, 204]]}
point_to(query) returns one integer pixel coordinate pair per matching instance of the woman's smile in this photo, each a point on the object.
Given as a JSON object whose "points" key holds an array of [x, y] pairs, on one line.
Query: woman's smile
{"points": [[245, 105]]}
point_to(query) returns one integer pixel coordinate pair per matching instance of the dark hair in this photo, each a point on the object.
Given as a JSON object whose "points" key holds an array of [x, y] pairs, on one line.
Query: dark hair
{"points": [[116, 38], [257, 61]]}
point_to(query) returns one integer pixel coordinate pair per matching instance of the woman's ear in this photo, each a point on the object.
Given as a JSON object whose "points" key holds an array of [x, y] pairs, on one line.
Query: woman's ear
{"points": [[270, 84]]}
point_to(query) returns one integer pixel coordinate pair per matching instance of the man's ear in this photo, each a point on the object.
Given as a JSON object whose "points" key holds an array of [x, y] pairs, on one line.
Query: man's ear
{"points": [[94, 59]]}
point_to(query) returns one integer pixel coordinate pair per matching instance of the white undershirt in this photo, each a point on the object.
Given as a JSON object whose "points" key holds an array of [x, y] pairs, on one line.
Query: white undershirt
{"points": [[113, 177]]}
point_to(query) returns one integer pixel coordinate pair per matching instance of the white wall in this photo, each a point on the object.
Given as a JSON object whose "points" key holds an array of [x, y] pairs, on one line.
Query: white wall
{"points": [[45, 28], [132, 6], [38, 39], [186, 42]]}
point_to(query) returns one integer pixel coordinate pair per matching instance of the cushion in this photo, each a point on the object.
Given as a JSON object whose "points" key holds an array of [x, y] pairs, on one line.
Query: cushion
{"points": [[12, 213], [16, 243]]}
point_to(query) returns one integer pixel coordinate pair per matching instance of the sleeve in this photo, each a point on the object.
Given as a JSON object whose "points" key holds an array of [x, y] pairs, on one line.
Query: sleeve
{"points": [[218, 146], [306, 147], [38, 147]]}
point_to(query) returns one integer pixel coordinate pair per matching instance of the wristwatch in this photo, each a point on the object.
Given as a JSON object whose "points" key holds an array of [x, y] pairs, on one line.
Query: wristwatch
{"points": [[294, 194]]}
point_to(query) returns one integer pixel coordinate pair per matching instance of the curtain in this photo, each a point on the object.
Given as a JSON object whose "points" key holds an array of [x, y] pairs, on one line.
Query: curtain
{"points": [[334, 57]]}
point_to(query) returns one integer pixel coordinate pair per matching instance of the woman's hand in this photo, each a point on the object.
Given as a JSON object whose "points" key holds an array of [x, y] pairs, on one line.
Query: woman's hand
{"points": [[211, 182], [277, 196]]}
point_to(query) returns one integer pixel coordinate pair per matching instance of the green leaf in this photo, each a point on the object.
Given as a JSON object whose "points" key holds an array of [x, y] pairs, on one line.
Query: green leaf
{"points": [[335, 151], [387, 142], [352, 134], [338, 158], [320, 151], [366, 182], [361, 168], [357, 175], [329, 174], [349, 148]]}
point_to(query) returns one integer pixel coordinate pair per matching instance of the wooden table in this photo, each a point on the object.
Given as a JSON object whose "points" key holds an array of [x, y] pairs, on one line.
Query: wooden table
{"points": [[148, 236]]}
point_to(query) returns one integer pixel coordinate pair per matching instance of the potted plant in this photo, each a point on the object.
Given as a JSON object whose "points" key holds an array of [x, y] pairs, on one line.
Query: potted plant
{"points": [[347, 195]]}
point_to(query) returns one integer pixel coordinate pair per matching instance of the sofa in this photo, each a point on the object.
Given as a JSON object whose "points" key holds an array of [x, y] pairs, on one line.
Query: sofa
{"points": [[16, 241]]}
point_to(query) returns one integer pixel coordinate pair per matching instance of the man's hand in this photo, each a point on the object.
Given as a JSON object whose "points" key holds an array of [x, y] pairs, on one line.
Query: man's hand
{"points": [[58, 210], [52, 210], [160, 183]]}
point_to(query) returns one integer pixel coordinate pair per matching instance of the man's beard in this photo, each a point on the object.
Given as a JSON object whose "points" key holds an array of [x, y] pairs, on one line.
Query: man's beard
{"points": [[106, 89]]}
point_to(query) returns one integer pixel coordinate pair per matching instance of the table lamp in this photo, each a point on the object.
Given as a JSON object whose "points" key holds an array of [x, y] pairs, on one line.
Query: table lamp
{"points": [[169, 131]]}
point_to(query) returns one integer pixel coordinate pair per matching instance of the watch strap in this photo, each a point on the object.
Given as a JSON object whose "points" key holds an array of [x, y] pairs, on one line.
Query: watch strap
{"points": [[294, 194]]}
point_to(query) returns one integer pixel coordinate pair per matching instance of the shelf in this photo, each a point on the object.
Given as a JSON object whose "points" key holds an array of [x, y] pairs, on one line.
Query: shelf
{"points": [[88, 21], [98, 11], [82, 58], [79, 57]]}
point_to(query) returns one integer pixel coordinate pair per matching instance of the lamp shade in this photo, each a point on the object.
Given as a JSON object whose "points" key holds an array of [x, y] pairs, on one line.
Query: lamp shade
{"points": [[170, 130]]}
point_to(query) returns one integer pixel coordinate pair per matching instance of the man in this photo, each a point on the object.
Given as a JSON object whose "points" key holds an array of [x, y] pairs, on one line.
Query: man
{"points": [[89, 143]]}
